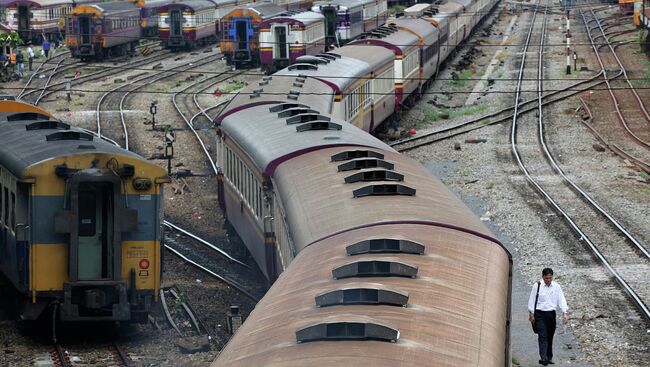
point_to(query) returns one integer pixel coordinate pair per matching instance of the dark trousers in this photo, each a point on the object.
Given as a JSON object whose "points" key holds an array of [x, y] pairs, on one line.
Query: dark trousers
{"points": [[47, 54], [31, 60], [545, 325]]}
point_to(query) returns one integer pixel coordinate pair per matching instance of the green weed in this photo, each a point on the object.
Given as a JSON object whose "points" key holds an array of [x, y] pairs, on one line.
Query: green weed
{"points": [[434, 113]]}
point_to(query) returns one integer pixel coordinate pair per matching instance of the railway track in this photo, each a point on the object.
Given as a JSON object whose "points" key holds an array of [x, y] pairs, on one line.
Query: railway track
{"points": [[633, 137], [59, 86], [108, 354], [624, 256], [186, 245]]}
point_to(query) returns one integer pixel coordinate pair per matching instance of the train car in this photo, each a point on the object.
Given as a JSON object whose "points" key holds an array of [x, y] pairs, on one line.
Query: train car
{"points": [[95, 31], [406, 47], [369, 273], [38, 20], [446, 18], [223, 7], [149, 16], [240, 32], [644, 19], [186, 24], [626, 7], [429, 39], [80, 220], [285, 38], [347, 19]]}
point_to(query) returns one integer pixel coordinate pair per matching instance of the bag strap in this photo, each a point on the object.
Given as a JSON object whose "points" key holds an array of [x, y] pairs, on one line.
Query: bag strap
{"points": [[536, 296]]}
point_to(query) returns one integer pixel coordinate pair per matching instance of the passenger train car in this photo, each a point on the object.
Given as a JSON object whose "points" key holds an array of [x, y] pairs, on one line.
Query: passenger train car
{"points": [[285, 38], [374, 261], [642, 17], [347, 19], [240, 32], [80, 220], [103, 29], [38, 20], [188, 23], [372, 254]]}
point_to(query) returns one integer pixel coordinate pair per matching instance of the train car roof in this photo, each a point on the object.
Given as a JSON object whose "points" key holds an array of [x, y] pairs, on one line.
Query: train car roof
{"points": [[420, 27], [338, 73], [396, 40], [277, 89], [464, 3], [429, 202], [374, 56], [29, 138], [270, 140], [305, 18], [263, 10], [109, 9], [34, 3], [342, 4], [194, 5]]}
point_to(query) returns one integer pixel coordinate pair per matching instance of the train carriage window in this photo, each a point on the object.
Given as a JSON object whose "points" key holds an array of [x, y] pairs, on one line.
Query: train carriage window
{"points": [[13, 211], [1, 206], [6, 206]]}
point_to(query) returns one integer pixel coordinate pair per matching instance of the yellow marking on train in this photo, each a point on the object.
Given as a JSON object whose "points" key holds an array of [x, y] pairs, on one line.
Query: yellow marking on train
{"points": [[17, 106], [49, 268], [132, 253]]}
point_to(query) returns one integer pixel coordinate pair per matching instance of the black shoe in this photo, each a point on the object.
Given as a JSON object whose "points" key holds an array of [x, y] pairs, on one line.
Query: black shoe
{"points": [[550, 361], [543, 362]]}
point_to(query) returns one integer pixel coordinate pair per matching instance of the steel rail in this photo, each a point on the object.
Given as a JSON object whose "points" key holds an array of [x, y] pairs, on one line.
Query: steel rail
{"points": [[619, 114], [201, 240], [168, 315], [494, 114], [230, 282], [583, 236], [37, 71], [205, 110], [121, 355], [189, 312]]}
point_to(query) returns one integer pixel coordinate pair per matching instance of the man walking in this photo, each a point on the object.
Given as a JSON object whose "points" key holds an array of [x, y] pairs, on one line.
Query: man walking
{"points": [[545, 297], [20, 62], [46, 49], [30, 56]]}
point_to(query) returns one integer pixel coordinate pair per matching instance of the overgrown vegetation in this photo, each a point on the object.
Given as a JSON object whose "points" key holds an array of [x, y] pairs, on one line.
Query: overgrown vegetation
{"points": [[435, 113], [234, 86], [396, 9]]}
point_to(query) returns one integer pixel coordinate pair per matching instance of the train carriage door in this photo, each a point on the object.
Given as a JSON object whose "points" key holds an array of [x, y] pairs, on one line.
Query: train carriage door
{"points": [[95, 223], [24, 20], [241, 33], [84, 30], [23, 232], [280, 46], [331, 20], [175, 27]]}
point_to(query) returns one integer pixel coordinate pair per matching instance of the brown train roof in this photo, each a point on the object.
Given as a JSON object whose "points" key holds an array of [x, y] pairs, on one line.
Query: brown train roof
{"points": [[456, 314], [319, 203]]}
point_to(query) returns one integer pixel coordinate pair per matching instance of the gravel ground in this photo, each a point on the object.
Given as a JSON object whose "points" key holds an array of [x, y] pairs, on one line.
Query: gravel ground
{"points": [[603, 330]]}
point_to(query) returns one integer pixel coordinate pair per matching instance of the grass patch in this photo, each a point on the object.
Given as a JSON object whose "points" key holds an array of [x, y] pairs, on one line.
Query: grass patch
{"points": [[645, 80], [435, 113], [233, 86], [462, 78]]}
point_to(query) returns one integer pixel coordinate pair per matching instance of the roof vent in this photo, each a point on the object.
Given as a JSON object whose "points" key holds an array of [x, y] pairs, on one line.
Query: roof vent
{"points": [[365, 163], [47, 125], [26, 116], [292, 97], [385, 245], [86, 147], [361, 296], [328, 56], [286, 106], [294, 92], [303, 67], [383, 190], [347, 331], [267, 78], [306, 117], [69, 135], [295, 111], [314, 60], [318, 125], [354, 154], [264, 82], [375, 268], [297, 85], [301, 80], [374, 175]]}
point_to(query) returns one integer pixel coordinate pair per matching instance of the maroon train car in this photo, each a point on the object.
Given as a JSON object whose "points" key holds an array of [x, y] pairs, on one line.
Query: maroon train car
{"points": [[187, 24]]}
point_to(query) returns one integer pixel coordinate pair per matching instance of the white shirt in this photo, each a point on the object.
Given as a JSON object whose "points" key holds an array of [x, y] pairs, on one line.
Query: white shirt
{"points": [[30, 52], [550, 298]]}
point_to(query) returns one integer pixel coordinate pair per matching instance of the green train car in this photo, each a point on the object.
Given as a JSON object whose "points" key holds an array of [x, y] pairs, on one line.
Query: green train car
{"points": [[80, 221]]}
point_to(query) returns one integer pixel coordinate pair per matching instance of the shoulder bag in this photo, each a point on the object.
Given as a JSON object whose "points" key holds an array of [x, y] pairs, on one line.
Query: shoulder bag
{"points": [[532, 323]]}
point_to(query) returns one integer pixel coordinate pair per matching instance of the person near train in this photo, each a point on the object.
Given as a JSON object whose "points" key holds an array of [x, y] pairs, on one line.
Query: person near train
{"points": [[46, 48], [30, 56], [20, 63], [545, 298]]}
